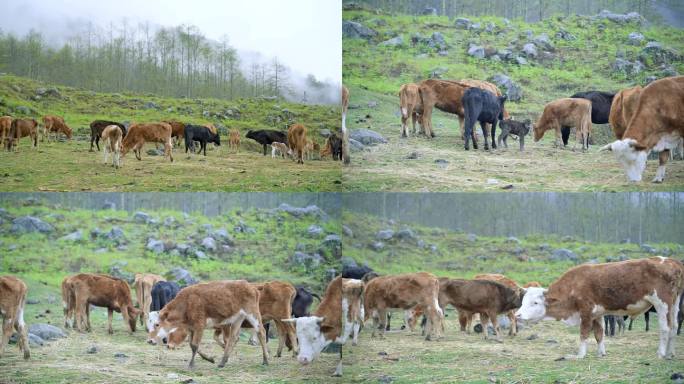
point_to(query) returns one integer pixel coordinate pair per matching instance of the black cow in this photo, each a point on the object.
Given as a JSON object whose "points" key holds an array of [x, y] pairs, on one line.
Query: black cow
{"points": [[336, 146], [96, 128], [349, 272], [485, 107], [267, 136], [517, 128], [162, 293], [600, 109], [302, 301], [201, 134], [610, 321]]}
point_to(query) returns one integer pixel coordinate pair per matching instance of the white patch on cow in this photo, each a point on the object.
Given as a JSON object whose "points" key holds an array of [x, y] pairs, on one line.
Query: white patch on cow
{"points": [[633, 161], [662, 259], [404, 112], [310, 338], [162, 333], [533, 306], [20, 316], [347, 326], [673, 332], [660, 174], [152, 319], [598, 310], [668, 141], [661, 307], [240, 315], [574, 320], [582, 349], [602, 348], [439, 310]]}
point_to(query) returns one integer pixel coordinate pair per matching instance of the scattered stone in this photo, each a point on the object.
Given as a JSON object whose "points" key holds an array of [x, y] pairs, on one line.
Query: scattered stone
{"points": [[393, 42], [332, 240], [182, 276], [28, 224], [462, 23], [199, 255], [413, 156], [34, 340], [429, 11], [635, 38], [307, 260], [154, 245], [655, 52], [141, 217], [347, 231], [438, 72], [354, 30], [314, 230], [648, 248], [74, 236], [356, 146], [46, 331], [367, 137], [406, 234], [513, 239], [385, 234], [32, 301], [563, 254], [533, 336], [384, 379], [530, 50], [310, 210], [476, 51], [223, 236], [544, 42], [620, 18], [521, 60], [377, 246], [565, 35], [471, 237], [209, 244], [441, 163], [93, 349]]}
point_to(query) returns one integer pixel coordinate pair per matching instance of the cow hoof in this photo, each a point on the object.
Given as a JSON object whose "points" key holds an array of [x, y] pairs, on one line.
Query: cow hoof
{"points": [[657, 180]]}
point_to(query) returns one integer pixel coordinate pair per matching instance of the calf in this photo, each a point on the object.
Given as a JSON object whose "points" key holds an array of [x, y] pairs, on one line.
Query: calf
{"points": [[202, 134], [143, 284], [336, 318], [177, 130], [112, 138], [12, 300], [483, 106], [22, 128], [5, 124], [623, 107], [513, 330], [96, 128], [275, 304], [411, 107], [565, 113], [584, 294], [234, 140], [404, 292], [57, 125], [217, 304], [517, 128], [139, 134], [266, 137], [281, 148], [296, 140]]}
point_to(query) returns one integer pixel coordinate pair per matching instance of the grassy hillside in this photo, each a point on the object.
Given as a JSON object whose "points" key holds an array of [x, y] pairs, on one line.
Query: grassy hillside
{"points": [[374, 71], [73, 168]]}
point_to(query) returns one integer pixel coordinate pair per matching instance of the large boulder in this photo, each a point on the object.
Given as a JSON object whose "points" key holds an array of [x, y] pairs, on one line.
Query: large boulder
{"points": [[476, 51], [28, 224], [73, 237], [356, 146], [393, 42], [657, 54], [223, 236], [462, 23], [154, 245], [512, 90], [544, 42], [367, 137], [563, 254], [635, 38], [437, 41], [385, 234], [354, 30], [209, 244], [314, 230], [620, 18], [46, 331], [181, 276], [311, 210], [530, 50]]}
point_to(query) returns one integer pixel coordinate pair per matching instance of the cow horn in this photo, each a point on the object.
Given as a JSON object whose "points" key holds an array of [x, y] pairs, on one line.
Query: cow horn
{"points": [[607, 147]]}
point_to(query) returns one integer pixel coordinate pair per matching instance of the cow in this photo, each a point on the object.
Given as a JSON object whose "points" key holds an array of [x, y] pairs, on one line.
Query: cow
{"points": [[12, 300], [513, 330], [139, 134], [585, 293], [404, 292], [279, 148], [162, 293], [275, 304], [56, 124], [102, 291], [234, 140], [609, 325], [22, 128], [333, 147], [296, 140], [96, 128], [483, 106], [177, 130], [411, 107], [143, 284], [112, 138], [623, 107], [600, 104], [68, 303], [657, 125], [302, 301], [5, 124], [345, 131], [531, 284], [351, 272], [518, 128], [337, 318], [309, 149], [266, 137], [202, 134], [216, 304], [565, 113]]}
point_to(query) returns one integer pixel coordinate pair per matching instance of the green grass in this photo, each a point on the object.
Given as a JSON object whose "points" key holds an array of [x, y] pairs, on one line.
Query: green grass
{"points": [[68, 166], [374, 73]]}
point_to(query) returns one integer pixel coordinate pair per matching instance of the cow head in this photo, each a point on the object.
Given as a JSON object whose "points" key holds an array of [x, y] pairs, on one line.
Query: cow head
{"points": [[631, 155], [133, 314], [501, 100], [538, 130], [311, 337], [250, 135], [67, 131], [528, 127], [164, 326], [217, 139], [534, 305]]}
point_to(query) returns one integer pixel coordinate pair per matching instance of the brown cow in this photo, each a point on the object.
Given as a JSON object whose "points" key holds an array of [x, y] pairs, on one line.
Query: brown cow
{"points": [[296, 139], [143, 284], [96, 128], [138, 134], [5, 124], [56, 124], [69, 303], [12, 300], [234, 140], [585, 293], [411, 107], [102, 291], [486, 297], [621, 110], [177, 130], [531, 284], [404, 292], [499, 278], [212, 304], [22, 128], [309, 149], [112, 138], [345, 131], [566, 112], [657, 125]]}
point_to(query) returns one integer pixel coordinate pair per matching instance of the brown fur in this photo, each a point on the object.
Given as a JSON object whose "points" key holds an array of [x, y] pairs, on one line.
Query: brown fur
{"points": [[57, 125], [234, 140], [296, 139], [403, 292], [211, 127], [12, 300], [531, 284], [510, 284], [345, 132], [309, 149], [143, 284], [622, 109], [102, 291], [177, 130], [139, 134], [411, 107], [566, 112], [112, 138], [5, 124], [22, 128], [69, 303]]}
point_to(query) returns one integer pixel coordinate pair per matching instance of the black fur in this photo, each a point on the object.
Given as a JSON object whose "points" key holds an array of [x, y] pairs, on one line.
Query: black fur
{"points": [[96, 128], [355, 272], [201, 134], [267, 136], [518, 128], [162, 293], [485, 107], [302, 301], [336, 146]]}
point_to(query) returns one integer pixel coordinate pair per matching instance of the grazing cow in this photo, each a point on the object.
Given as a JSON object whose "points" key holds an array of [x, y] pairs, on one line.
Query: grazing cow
{"points": [[349, 272], [404, 292], [584, 294], [177, 130], [5, 124], [336, 318], [296, 140], [55, 124], [68, 302], [216, 304], [623, 108], [501, 279], [22, 128], [162, 293], [96, 128], [517, 128], [12, 300], [333, 147], [345, 131], [112, 138], [139, 134], [266, 137], [411, 107], [565, 113], [600, 104], [102, 291], [143, 284], [485, 107], [657, 125], [610, 321], [202, 134], [277, 148], [234, 140], [302, 301], [486, 297]]}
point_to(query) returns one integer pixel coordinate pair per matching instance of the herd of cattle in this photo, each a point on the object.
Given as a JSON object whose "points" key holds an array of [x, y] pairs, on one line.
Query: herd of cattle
{"points": [[119, 139], [643, 119], [581, 296]]}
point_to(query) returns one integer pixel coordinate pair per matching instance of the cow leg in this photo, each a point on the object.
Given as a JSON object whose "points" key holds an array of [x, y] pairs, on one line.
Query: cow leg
{"points": [[357, 329], [264, 149], [338, 369], [404, 124], [389, 320], [282, 335], [87, 318], [292, 335], [20, 327], [167, 149], [484, 320], [383, 322], [522, 143], [664, 324], [647, 317], [110, 312], [585, 327], [557, 137], [6, 331], [495, 323], [660, 172], [485, 135], [195, 339], [597, 326], [494, 135], [674, 315], [514, 324]]}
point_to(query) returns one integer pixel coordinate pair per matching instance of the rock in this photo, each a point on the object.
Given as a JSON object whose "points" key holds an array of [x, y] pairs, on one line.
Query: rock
{"points": [[442, 163], [520, 60], [332, 240], [533, 336], [462, 23], [433, 248], [385, 234], [657, 54], [223, 236], [512, 90], [377, 246], [32, 301], [314, 230], [420, 243], [108, 205], [169, 221], [565, 35], [677, 377], [620, 18], [429, 11], [324, 133], [475, 27], [93, 349], [116, 270], [393, 42], [406, 234], [46, 331], [348, 262], [181, 276], [209, 244], [489, 27], [629, 68], [513, 239], [384, 379], [120, 355], [476, 51], [530, 50], [443, 53], [490, 51], [367, 137], [438, 41], [34, 340], [471, 237], [563, 254], [116, 233], [199, 255], [307, 260], [23, 110], [141, 217], [354, 30], [154, 245], [413, 156], [74, 236], [311, 210], [29, 224], [347, 231], [438, 72], [505, 54], [635, 38], [592, 261], [155, 152], [151, 105], [544, 42], [648, 248], [356, 146]]}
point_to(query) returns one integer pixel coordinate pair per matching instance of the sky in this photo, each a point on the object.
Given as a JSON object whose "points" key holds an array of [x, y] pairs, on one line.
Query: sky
{"points": [[304, 34]]}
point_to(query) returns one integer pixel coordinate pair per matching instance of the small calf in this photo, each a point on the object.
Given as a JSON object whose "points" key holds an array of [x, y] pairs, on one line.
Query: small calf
{"points": [[517, 128], [112, 138], [281, 148], [234, 140]]}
